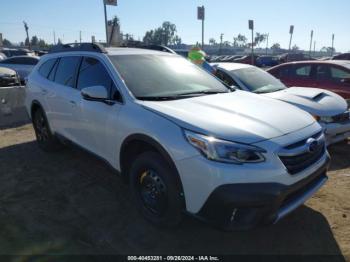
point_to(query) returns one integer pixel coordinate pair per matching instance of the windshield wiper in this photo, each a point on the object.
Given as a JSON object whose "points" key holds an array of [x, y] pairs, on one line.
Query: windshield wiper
{"points": [[178, 96], [267, 91], [202, 93], [158, 98]]}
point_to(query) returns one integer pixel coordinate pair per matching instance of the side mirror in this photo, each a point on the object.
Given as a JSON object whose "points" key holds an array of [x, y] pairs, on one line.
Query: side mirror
{"points": [[95, 93]]}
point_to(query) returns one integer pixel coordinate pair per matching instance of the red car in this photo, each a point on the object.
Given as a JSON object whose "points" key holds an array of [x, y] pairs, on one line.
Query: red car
{"points": [[333, 75]]}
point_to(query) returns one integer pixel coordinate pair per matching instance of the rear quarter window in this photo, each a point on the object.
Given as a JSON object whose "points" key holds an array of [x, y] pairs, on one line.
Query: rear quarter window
{"points": [[46, 67]]}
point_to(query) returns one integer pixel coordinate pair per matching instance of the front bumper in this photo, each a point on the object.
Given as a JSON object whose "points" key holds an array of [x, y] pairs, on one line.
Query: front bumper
{"points": [[336, 132], [245, 206]]}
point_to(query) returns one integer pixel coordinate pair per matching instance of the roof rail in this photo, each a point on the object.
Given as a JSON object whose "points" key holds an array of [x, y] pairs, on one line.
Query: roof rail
{"points": [[90, 47]]}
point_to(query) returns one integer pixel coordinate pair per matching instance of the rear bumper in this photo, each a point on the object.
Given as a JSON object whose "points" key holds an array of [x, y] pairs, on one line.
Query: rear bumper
{"points": [[245, 206]]}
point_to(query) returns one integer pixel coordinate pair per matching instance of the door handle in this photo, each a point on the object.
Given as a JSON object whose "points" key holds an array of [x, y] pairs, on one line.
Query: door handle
{"points": [[73, 103], [43, 91]]}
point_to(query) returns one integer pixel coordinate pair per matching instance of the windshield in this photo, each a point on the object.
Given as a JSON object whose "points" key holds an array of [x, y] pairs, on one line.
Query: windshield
{"points": [[258, 81], [149, 76]]}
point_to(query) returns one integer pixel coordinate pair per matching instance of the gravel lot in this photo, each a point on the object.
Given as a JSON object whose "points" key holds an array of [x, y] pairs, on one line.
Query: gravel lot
{"points": [[69, 202]]}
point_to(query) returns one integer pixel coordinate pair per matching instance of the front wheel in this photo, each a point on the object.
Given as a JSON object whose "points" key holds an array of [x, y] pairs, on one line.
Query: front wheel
{"points": [[156, 189], [46, 140]]}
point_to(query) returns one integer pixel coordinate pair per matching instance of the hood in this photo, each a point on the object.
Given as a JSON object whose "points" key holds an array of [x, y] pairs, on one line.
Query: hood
{"points": [[239, 116], [316, 101]]}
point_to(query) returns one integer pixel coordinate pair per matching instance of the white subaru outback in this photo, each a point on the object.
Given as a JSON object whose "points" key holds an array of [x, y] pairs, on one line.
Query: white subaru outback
{"points": [[184, 141]]}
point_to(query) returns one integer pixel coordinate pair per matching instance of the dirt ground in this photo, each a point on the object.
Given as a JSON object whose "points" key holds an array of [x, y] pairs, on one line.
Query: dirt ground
{"points": [[69, 202]]}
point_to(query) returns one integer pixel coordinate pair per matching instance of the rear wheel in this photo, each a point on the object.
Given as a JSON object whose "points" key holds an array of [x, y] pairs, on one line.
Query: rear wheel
{"points": [[156, 190], [46, 140]]}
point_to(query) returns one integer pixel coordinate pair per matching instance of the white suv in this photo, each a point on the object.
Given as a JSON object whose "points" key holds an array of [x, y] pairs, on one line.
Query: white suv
{"points": [[183, 140]]}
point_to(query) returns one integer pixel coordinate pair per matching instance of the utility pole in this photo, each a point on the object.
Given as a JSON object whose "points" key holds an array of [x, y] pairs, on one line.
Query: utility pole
{"points": [[312, 35], [80, 36], [221, 38], [291, 31], [108, 2], [267, 42], [54, 37], [27, 28], [332, 51], [314, 48], [251, 27], [105, 9], [201, 16]]}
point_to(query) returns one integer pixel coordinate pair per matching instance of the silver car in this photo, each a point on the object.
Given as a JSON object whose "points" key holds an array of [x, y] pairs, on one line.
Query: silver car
{"points": [[23, 65]]}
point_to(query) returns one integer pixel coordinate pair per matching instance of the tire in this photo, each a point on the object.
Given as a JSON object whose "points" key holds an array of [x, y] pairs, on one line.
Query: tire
{"points": [[46, 140], [165, 207]]}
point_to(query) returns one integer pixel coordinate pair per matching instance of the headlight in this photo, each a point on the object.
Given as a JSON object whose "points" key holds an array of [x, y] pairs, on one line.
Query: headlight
{"points": [[317, 118], [326, 119], [225, 151]]}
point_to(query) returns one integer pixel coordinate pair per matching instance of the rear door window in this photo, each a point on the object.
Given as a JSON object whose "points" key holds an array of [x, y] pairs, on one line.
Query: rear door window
{"points": [[303, 71], [66, 70], [323, 73]]}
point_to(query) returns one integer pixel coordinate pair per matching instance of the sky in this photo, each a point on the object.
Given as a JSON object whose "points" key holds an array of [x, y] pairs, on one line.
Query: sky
{"points": [[230, 17]]}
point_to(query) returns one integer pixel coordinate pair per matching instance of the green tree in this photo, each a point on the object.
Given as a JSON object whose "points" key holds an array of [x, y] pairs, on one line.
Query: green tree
{"points": [[149, 37], [212, 41], [295, 48], [259, 38], [6, 43], [328, 49], [42, 43], [240, 41], [276, 47], [226, 43], [177, 40], [164, 35], [34, 41]]}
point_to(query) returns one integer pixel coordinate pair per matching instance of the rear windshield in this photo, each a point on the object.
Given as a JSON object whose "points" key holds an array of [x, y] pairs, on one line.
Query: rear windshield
{"points": [[163, 75]]}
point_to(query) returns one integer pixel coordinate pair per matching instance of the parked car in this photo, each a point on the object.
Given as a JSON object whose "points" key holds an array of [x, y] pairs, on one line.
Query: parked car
{"points": [[9, 52], [247, 59], [232, 58], [267, 61], [2, 56], [8, 77], [345, 56], [333, 75], [325, 106], [185, 141], [23, 65], [290, 57]]}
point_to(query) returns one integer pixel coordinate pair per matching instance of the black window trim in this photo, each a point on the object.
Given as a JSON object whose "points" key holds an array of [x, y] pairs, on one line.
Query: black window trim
{"points": [[121, 101], [55, 66]]}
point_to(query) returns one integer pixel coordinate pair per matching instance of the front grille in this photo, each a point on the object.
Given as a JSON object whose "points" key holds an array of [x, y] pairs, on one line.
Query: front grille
{"points": [[302, 142], [298, 163], [341, 117]]}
